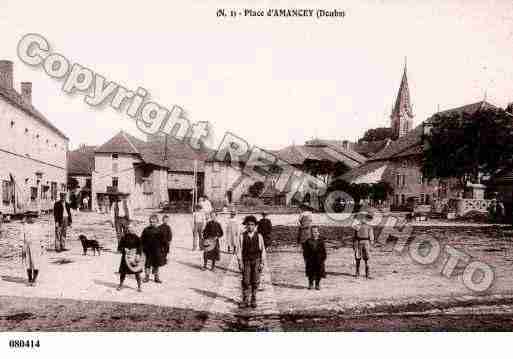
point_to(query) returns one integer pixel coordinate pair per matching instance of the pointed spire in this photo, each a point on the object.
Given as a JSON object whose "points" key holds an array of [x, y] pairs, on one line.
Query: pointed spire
{"points": [[402, 113]]}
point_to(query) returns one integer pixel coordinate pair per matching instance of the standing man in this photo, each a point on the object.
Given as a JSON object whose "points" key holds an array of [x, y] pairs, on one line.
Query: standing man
{"points": [[121, 213], [251, 257], [151, 238], [62, 217], [363, 237], [265, 227], [166, 233]]}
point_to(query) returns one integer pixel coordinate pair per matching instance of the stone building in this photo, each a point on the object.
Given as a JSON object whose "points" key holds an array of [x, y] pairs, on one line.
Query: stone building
{"points": [[32, 151], [227, 183], [151, 172], [400, 164], [80, 170]]}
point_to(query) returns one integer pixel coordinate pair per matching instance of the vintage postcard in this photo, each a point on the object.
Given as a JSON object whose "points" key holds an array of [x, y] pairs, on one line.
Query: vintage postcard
{"points": [[255, 166]]}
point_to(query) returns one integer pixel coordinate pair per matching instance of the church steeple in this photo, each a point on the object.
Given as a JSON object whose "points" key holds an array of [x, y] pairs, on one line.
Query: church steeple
{"points": [[402, 113]]}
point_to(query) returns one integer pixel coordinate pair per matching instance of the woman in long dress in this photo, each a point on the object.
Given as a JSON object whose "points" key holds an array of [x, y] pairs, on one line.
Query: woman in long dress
{"points": [[32, 249], [130, 247], [211, 235]]}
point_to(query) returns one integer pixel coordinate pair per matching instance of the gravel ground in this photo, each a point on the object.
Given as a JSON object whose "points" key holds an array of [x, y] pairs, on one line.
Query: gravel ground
{"points": [[77, 293]]}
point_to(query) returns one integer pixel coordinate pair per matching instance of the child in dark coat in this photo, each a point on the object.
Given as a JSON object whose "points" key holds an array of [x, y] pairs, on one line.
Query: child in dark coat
{"points": [[314, 253], [130, 247]]}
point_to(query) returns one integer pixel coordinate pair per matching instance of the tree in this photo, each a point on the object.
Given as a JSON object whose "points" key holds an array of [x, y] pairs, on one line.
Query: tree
{"points": [[256, 189], [377, 134], [468, 146], [381, 190]]}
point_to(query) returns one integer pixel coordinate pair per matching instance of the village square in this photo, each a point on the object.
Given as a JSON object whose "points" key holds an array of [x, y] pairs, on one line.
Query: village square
{"points": [[84, 209]]}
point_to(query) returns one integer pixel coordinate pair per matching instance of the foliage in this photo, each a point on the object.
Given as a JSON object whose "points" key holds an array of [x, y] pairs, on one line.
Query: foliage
{"points": [[256, 189], [466, 147], [377, 134]]}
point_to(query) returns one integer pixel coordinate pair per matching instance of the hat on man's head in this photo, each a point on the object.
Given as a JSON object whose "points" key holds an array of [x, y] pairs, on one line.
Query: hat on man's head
{"points": [[250, 219]]}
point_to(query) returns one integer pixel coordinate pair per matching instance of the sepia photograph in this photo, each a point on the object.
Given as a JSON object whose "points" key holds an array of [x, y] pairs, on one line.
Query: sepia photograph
{"points": [[255, 166]]}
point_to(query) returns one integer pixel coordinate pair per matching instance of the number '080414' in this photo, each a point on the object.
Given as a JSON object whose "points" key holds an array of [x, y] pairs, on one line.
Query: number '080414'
{"points": [[24, 343]]}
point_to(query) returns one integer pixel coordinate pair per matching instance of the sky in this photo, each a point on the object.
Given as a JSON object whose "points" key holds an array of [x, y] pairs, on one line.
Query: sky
{"points": [[271, 81]]}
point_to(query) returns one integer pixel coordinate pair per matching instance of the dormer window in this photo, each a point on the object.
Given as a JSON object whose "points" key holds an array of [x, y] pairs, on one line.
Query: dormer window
{"points": [[115, 156]]}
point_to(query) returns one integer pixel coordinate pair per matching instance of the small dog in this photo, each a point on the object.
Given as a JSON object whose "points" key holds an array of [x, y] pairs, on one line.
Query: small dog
{"points": [[89, 243]]}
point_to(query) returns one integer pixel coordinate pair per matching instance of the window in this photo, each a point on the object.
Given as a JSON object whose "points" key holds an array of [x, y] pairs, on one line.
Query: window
{"points": [[404, 180], [33, 193], [398, 180], [7, 192], [115, 156], [53, 191], [216, 167], [422, 198], [403, 199], [115, 182], [88, 183], [115, 167], [421, 179], [44, 192], [12, 124], [26, 131], [428, 199]]}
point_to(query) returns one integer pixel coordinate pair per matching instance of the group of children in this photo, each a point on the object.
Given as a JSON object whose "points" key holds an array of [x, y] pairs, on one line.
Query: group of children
{"points": [[154, 243]]}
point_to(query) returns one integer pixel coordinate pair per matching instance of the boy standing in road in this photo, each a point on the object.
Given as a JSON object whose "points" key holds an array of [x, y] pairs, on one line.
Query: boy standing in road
{"points": [[251, 256]]}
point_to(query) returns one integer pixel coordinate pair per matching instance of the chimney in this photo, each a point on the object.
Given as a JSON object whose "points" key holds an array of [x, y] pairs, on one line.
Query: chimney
{"points": [[26, 92], [6, 74]]}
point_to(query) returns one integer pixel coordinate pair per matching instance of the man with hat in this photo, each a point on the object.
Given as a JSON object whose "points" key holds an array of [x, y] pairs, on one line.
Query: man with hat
{"points": [[363, 237], [251, 257], [62, 217]]}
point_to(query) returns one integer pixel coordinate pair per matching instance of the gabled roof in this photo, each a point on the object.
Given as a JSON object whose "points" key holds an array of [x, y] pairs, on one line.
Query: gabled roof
{"points": [[467, 109], [339, 147], [367, 170], [15, 99], [397, 147], [122, 142], [402, 102], [178, 157], [81, 161], [370, 148]]}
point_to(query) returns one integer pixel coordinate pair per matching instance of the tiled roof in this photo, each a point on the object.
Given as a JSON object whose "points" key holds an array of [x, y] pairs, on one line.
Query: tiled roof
{"points": [[363, 170], [468, 109], [15, 99], [179, 156], [397, 147], [120, 143], [339, 147], [81, 161], [370, 148]]}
